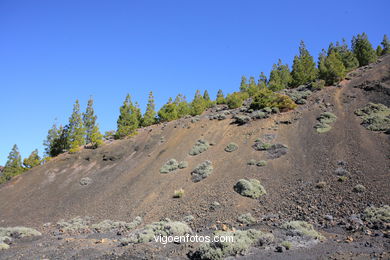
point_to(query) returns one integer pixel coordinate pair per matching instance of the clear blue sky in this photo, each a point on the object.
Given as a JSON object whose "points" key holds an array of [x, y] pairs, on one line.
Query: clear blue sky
{"points": [[54, 52]]}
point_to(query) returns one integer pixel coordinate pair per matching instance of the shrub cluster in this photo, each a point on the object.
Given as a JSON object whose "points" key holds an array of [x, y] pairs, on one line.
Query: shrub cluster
{"points": [[202, 171], [199, 147], [376, 117], [249, 188], [325, 121], [301, 228], [231, 147], [268, 98]]}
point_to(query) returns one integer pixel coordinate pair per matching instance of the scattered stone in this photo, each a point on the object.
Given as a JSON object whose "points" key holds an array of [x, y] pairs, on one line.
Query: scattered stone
{"points": [[341, 172], [85, 181]]}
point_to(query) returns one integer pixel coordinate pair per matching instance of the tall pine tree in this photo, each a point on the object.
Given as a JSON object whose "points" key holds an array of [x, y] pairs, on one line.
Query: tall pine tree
{"points": [[386, 45], [346, 55], [150, 112], [304, 68], [33, 160], [280, 77], [182, 106], [198, 104], [168, 112], [243, 84], [331, 67], [220, 97], [13, 165], [93, 135], [363, 49], [129, 118], [76, 129]]}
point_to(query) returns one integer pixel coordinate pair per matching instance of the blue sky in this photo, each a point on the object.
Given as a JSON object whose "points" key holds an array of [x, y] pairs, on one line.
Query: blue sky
{"points": [[54, 52]]}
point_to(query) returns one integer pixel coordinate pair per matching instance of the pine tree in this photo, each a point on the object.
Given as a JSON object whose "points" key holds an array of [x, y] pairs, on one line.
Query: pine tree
{"points": [[129, 118], [243, 84], [347, 56], [61, 142], [363, 49], [13, 165], [182, 106], [379, 51], [331, 68], [280, 77], [150, 113], [304, 69], [91, 128], [198, 104], [386, 45], [206, 96], [52, 135], [33, 160], [76, 129], [168, 112], [220, 97], [262, 82], [252, 87]]}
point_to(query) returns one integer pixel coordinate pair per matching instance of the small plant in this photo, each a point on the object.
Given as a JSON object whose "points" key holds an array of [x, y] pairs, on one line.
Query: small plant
{"points": [[325, 119], [3, 246], [183, 164], [379, 216], [249, 188], [342, 178], [302, 228], [359, 188], [376, 117], [169, 166], [85, 181], [241, 119], [317, 84], [261, 163], [340, 171], [18, 232], [178, 193], [199, 147], [260, 146], [202, 171], [231, 147], [252, 162], [246, 219], [287, 245]]}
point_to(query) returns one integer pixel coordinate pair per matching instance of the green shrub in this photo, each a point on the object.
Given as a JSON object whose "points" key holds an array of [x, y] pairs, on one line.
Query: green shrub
{"points": [[359, 188], [236, 99], [231, 147], [162, 228], [18, 232], [267, 98], [258, 114], [169, 166], [377, 215], [183, 164], [246, 219], [202, 171], [325, 119], [261, 163], [249, 188], [178, 193], [342, 178], [108, 225], [302, 228], [376, 117], [199, 147], [260, 146], [317, 84], [241, 119], [252, 162], [3, 246], [74, 225], [287, 245], [243, 240]]}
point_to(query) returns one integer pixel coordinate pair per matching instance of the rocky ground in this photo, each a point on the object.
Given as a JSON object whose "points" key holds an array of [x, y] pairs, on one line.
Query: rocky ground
{"points": [[254, 174]]}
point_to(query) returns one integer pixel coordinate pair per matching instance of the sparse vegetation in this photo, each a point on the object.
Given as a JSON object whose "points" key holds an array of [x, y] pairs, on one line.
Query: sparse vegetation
{"points": [[249, 188], [199, 147], [202, 171], [378, 216], [76, 224], [108, 225], [359, 188], [178, 193], [320, 185], [165, 227], [243, 240], [376, 117], [267, 98], [252, 162], [85, 181], [241, 119], [342, 178], [261, 163], [287, 245], [183, 164], [246, 219], [231, 147], [18, 232], [325, 119], [301, 228], [169, 166]]}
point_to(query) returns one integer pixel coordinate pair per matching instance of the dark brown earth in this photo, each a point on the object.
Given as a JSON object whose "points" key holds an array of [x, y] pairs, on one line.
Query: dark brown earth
{"points": [[126, 181]]}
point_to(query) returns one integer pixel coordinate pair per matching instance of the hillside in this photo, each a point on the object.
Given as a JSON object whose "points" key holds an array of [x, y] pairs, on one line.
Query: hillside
{"points": [[302, 184]]}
